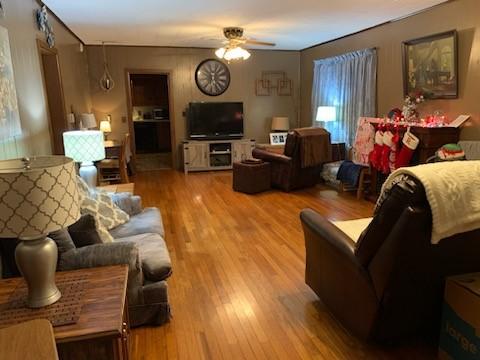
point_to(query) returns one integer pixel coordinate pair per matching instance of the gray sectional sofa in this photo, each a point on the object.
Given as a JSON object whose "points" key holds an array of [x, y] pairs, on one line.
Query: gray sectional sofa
{"points": [[140, 244]]}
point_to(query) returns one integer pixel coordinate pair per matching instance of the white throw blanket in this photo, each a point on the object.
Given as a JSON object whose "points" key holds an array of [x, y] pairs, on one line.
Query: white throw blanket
{"points": [[453, 191]]}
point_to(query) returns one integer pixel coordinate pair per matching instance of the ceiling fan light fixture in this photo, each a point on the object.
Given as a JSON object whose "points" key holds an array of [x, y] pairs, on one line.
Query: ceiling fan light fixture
{"points": [[220, 52], [246, 54], [235, 53]]}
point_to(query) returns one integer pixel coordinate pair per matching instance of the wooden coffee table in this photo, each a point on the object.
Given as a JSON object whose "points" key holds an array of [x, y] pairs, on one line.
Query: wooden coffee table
{"points": [[102, 329]]}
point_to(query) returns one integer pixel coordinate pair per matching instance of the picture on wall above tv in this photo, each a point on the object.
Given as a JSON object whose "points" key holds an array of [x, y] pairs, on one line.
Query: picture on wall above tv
{"points": [[215, 120]]}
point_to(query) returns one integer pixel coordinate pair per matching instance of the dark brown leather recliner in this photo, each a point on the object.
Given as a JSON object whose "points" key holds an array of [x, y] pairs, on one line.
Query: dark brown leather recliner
{"points": [[287, 172], [388, 286]]}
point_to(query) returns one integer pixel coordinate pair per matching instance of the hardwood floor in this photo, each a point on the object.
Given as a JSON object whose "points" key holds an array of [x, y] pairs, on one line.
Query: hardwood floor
{"points": [[237, 289]]}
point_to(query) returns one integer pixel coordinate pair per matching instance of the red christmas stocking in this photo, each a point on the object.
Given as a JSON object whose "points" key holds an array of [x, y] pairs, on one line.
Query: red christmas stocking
{"points": [[386, 149], [394, 152], [376, 153], [410, 143]]}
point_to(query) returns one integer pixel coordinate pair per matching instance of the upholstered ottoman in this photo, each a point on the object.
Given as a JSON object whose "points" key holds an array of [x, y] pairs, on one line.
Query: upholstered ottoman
{"points": [[251, 178]]}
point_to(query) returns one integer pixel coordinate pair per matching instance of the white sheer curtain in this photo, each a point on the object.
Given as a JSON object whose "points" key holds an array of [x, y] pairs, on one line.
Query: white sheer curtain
{"points": [[347, 82]]}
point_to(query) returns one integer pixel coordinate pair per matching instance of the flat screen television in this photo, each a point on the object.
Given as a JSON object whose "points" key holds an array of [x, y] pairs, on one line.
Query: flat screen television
{"points": [[215, 120]]}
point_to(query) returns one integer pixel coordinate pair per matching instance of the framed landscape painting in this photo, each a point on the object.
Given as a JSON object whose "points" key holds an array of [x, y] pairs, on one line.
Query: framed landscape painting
{"points": [[430, 66]]}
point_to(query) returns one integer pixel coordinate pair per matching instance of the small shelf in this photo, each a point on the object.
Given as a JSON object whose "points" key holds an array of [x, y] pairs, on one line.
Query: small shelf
{"points": [[220, 152]]}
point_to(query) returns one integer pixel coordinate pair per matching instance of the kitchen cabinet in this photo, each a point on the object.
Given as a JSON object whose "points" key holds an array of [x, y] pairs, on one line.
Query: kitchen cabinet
{"points": [[149, 90]]}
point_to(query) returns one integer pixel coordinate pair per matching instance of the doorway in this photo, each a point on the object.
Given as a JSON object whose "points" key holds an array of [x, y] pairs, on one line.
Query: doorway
{"points": [[52, 81], [151, 120]]}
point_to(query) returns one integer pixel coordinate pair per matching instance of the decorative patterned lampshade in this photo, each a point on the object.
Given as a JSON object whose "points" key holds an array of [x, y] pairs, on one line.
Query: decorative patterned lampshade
{"points": [[88, 121], [105, 126], [84, 145], [326, 113], [37, 196], [280, 123]]}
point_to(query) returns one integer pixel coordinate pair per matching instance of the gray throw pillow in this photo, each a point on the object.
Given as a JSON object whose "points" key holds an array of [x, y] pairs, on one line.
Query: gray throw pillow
{"points": [[63, 240], [84, 231], [123, 201]]}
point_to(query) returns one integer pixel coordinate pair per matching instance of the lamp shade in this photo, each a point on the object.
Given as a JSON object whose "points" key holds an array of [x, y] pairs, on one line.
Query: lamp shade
{"points": [[280, 123], [88, 121], [105, 126], [84, 145], [326, 113], [38, 196]]}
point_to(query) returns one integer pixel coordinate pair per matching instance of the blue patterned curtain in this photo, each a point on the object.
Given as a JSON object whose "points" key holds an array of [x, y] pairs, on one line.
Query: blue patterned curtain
{"points": [[347, 82]]}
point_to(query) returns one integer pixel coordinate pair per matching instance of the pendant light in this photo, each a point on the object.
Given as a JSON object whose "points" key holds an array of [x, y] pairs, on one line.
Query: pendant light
{"points": [[106, 81]]}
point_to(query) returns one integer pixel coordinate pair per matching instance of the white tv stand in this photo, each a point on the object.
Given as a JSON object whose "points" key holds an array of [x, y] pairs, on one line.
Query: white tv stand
{"points": [[208, 155]]}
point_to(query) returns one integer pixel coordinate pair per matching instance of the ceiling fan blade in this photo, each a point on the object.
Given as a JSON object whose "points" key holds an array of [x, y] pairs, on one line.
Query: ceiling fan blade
{"points": [[256, 42]]}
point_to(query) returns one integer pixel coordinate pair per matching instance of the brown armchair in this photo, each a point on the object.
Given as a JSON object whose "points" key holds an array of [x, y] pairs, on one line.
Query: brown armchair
{"points": [[387, 285], [297, 168]]}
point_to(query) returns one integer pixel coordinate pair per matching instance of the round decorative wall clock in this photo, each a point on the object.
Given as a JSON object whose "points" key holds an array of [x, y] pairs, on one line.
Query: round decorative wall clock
{"points": [[212, 77]]}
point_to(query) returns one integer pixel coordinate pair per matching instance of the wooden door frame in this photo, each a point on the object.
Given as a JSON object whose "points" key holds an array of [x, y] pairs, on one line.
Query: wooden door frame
{"points": [[171, 112], [44, 49]]}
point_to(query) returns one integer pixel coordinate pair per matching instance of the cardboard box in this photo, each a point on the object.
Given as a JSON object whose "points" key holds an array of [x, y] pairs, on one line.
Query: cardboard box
{"points": [[460, 329]]}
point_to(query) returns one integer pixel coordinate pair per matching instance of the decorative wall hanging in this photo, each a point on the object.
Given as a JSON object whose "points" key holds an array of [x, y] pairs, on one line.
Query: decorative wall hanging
{"points": [[45, 26], [212, 77], [273, 80], [106, 81], [9, 115], [430, 66]]}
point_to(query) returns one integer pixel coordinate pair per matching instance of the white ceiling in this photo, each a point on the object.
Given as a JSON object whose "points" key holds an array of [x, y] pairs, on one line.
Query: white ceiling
{"points": [[292, 24]]}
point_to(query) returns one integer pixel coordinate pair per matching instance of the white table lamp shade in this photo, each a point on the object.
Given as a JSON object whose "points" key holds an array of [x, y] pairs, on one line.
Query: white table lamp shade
{"points": [[280, 123], [39, 200], [84, 145], [105, 126], [88, 121], [326, 113]]}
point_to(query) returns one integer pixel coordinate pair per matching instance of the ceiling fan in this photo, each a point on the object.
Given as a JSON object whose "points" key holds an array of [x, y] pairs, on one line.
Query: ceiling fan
{"points": [[232, 49]]}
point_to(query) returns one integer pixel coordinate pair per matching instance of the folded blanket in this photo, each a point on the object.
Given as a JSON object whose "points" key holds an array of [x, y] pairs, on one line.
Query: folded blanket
{"points": [[315, 147], [453, 192], [349, 173]]}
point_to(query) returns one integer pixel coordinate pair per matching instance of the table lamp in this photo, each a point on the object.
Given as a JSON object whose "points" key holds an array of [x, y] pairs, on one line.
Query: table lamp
{"points": [[105, 127], [85, 147], [326, 114], [280, 123], [87, 121], [38, 196]]}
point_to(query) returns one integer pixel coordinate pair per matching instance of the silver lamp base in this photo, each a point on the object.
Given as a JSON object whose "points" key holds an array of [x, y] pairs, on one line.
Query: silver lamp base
{"points": [[88, 172], [37, 261]]}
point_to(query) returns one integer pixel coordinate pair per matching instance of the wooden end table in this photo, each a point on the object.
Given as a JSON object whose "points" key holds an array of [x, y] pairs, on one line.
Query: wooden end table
{"points": [[118, 188], [102, 330], [31, 340]]}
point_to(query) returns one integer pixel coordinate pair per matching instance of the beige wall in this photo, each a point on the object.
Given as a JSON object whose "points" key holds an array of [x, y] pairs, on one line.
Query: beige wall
{"points": [[462, 15], [182, 63], [21, 25]]}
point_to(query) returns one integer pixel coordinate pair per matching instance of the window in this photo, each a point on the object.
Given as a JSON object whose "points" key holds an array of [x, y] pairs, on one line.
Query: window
{"points": [[348, 83]]}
